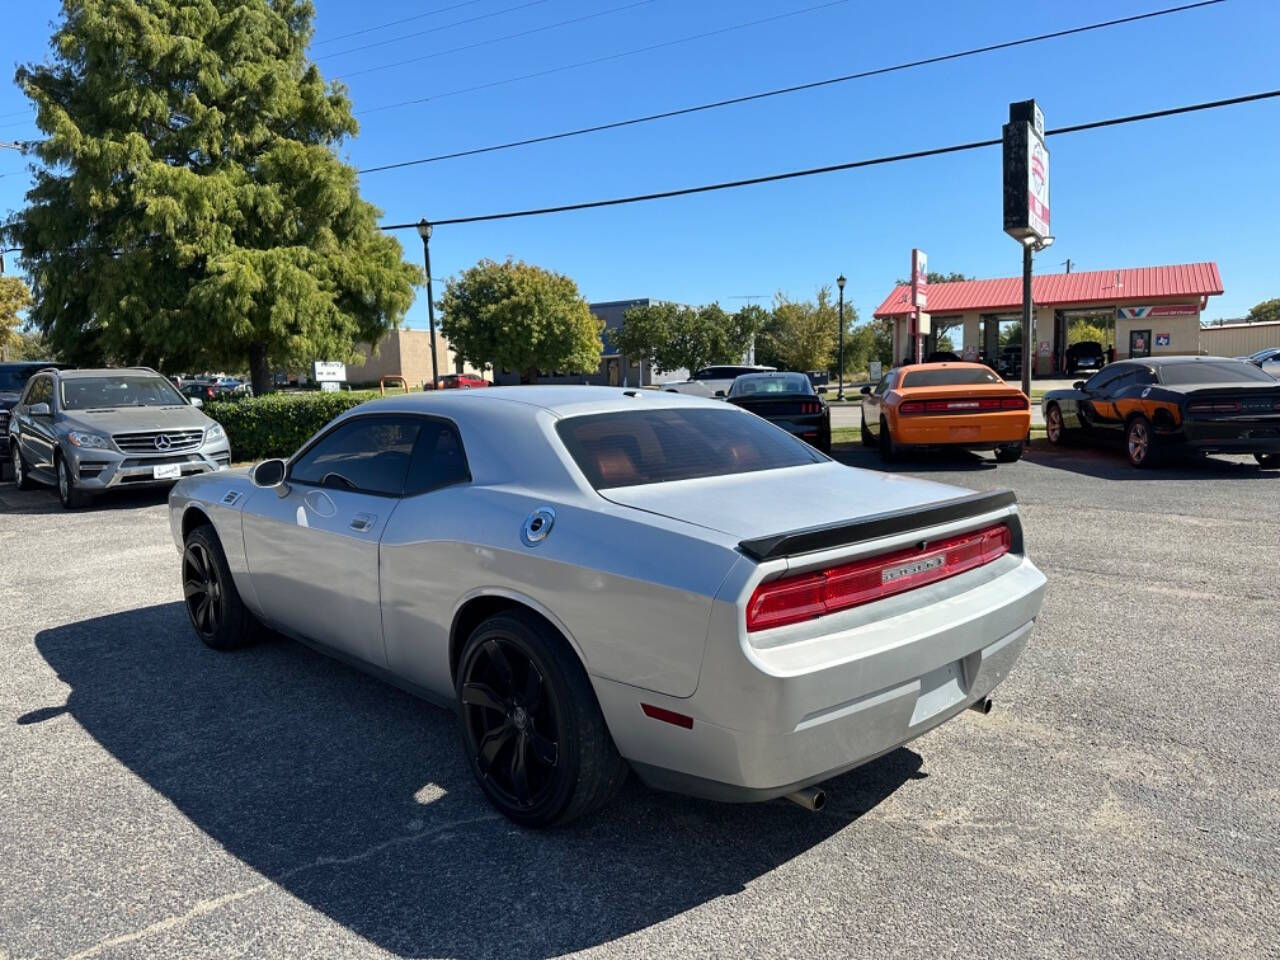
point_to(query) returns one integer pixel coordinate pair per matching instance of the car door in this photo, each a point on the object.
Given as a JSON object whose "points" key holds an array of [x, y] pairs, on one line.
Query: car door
{"points": [[1095, 409], [36, 437], [312, 544]]}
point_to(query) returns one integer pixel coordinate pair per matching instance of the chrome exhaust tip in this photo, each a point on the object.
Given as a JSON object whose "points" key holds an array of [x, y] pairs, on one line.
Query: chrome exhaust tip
{"points": [[812, 799], [983, 705]]}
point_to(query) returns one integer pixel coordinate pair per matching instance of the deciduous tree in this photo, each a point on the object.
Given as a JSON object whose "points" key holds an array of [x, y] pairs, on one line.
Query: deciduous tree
{"points": [[15, 297], [1268, 311], [675, 337], [191, 208], [519, 317]]}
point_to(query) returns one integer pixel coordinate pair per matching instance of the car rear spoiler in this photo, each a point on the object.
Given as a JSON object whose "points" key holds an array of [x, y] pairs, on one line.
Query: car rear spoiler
{"points": [[875, 526]]}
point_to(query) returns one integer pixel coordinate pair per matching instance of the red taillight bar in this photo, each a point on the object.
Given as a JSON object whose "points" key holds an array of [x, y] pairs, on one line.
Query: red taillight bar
{"points": [[967, 405], [1219, 406], [811, 595]]}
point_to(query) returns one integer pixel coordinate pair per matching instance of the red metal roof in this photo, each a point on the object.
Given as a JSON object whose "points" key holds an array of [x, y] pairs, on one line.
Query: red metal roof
{"points": [[1063, 289]]}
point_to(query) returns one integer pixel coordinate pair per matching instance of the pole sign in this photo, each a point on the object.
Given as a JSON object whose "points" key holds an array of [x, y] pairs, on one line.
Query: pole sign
{"points": [[329, 371], [919, 279], [1026, 173]]}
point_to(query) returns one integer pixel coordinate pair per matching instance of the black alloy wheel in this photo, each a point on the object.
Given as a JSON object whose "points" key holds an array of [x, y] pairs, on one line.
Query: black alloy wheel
{"points": [[533, 732], [202, 587], [1053, 426], [213, 603]]}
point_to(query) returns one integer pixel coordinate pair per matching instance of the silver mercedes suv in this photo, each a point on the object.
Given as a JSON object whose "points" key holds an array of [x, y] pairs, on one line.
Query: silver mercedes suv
{"points": [[89, 431]]}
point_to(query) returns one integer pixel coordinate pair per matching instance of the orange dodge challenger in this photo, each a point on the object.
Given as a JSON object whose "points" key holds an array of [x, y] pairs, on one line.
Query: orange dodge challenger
{"points": [[963, 405]]}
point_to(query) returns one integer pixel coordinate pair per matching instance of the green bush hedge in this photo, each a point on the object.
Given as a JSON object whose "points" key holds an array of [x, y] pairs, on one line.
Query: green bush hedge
{"points": [[278, 424]]}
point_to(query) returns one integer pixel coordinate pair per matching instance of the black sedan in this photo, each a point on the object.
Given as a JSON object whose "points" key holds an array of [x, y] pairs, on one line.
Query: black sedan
{"points": [[1162, 405], [786, 400]]}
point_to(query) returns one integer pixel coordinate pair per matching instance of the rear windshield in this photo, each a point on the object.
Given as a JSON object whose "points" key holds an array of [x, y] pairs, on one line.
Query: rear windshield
{"points": [[656, 446], [949, 377], [13, 379], [750, 386], [1222, 371], [87, 393]]}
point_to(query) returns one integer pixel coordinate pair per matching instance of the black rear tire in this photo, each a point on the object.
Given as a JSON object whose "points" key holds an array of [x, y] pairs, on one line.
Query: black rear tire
{"points": [[1268, 461], [532, 730], [867, 439], [1140, 443], [889, 451], [1009, 453], [213, 603]]}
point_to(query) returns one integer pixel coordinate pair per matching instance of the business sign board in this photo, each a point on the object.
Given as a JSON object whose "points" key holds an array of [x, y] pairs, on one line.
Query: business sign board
{"points": [[1161, 310], [919, 279], [1162, 339], [1026, 173], [875, 370], [1046, 348], [924, 324], [329, 371]]}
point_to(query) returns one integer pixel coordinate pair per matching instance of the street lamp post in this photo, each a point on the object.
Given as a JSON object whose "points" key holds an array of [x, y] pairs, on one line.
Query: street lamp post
{"points": [[840, 281], [424, 231]]}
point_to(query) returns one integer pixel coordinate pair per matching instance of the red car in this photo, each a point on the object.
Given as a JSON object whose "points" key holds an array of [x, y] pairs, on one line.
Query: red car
{"points": [[461, 381]]}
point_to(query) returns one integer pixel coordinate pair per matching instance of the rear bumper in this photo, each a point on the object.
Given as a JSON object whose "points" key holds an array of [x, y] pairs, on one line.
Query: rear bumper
{"points": [[987, 429], [776, 719], [1235, 436]]}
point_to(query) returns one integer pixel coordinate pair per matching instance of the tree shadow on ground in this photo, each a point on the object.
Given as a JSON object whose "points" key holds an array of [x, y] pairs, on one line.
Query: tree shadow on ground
{"points": [[354, 797]]}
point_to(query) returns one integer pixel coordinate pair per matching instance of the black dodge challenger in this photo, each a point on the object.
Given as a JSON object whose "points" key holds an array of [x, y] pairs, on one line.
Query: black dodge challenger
{"points": [[786, 400], [1156, 406]]}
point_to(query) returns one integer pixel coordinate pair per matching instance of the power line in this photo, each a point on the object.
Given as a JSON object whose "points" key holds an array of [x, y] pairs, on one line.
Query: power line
{"points": [[716, 104], [608, 57], [492, 40], [443, 26], [394, 23], [835, 167]]}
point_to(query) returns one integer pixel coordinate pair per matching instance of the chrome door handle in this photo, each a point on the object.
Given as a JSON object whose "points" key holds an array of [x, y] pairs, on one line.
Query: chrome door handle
{"points": [[362, 521]]}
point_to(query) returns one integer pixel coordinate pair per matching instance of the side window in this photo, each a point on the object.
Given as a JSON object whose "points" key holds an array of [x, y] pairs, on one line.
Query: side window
{"points": [[1126, 379], [885, 384], [438, 459], [1144, 376], [368, 455], [40, 391], [1102, 379]]}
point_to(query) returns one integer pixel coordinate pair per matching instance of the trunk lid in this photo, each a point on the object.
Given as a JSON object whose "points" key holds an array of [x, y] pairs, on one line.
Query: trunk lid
{"points": [[766, 503]]}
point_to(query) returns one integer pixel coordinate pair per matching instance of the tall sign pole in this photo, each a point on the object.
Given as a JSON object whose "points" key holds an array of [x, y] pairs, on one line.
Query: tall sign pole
{"points": [[1026, 204], [919, 300]]}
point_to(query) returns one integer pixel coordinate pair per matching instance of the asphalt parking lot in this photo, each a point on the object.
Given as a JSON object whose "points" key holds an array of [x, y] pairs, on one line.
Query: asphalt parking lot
{"points": [[159, 799]]}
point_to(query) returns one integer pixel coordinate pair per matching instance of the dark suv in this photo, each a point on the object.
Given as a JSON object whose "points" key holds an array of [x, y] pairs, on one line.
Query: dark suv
{"points": [[1086, 355], [13, 378]]}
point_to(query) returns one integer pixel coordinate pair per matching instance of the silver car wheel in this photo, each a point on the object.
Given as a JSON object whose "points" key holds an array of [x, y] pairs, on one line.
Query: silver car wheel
{"points": [[16, 457], [1053, 425], [64, 482], [1139, 442]]}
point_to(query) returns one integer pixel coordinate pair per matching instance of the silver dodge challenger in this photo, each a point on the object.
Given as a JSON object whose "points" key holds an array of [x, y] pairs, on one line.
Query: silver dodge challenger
{"points": [[600, 580]]}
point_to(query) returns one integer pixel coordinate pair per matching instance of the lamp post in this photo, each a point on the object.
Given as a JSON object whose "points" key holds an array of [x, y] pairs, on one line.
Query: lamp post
{"points": [[424, 231], [840, 281], [1030, 245]]}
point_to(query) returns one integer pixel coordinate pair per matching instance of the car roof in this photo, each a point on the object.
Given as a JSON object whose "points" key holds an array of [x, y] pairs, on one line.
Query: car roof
{"points": [[105, 372], [558, 400], [770, 374], [1175, 361], [954, 364]]}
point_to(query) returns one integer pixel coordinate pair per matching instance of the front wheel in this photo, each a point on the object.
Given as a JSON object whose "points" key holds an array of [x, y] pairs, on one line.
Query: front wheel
{"points": [[213, 603], [533, 732], [1267, 461], [1053, 426], [1009, 453], [71, 496], [19, 466]]}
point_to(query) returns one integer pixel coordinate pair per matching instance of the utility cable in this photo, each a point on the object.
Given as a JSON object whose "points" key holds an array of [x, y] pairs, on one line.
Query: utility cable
{"points": [[436, 29], [832, 168], [492, 40], [394, 23], [879, 71], [604, 59]]}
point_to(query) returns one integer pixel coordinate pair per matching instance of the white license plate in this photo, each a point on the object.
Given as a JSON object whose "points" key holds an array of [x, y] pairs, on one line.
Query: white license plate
{"points": [[167, 471]]}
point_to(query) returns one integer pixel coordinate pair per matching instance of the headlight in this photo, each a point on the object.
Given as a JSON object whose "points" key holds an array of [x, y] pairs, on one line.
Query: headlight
{"points": [[214, 433], [80, 439]]}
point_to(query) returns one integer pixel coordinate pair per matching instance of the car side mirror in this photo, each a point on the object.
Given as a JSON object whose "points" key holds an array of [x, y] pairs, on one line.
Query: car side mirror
{"points": [[195, 402], [269, 475], [1078, 385], [866, 391], [822, 389], [40, 410]]}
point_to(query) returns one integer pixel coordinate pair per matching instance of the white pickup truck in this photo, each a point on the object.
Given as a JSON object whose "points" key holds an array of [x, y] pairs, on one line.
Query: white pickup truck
{"points": [[713, 381]]}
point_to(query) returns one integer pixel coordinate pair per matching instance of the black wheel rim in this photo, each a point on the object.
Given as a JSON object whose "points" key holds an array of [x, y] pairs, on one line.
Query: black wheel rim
{"points": [[510, 715], [203, 589]]}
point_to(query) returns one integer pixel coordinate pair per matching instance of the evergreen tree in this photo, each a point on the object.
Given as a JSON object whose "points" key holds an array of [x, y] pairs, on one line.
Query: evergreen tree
{"points": [[191, 208]]}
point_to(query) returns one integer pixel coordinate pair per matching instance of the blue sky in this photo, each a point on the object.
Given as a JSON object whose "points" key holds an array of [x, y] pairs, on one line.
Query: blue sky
{"points": [[1200, 187]]}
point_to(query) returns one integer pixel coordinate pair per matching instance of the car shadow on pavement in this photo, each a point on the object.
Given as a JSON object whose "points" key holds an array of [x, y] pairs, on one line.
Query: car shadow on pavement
{"points": [[1112, 464], [42, 499], [921, 461], [354, 797]]}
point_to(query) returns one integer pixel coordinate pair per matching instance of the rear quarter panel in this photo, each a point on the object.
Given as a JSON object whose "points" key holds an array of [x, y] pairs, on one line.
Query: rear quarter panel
{"points": [[632, 593]]}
